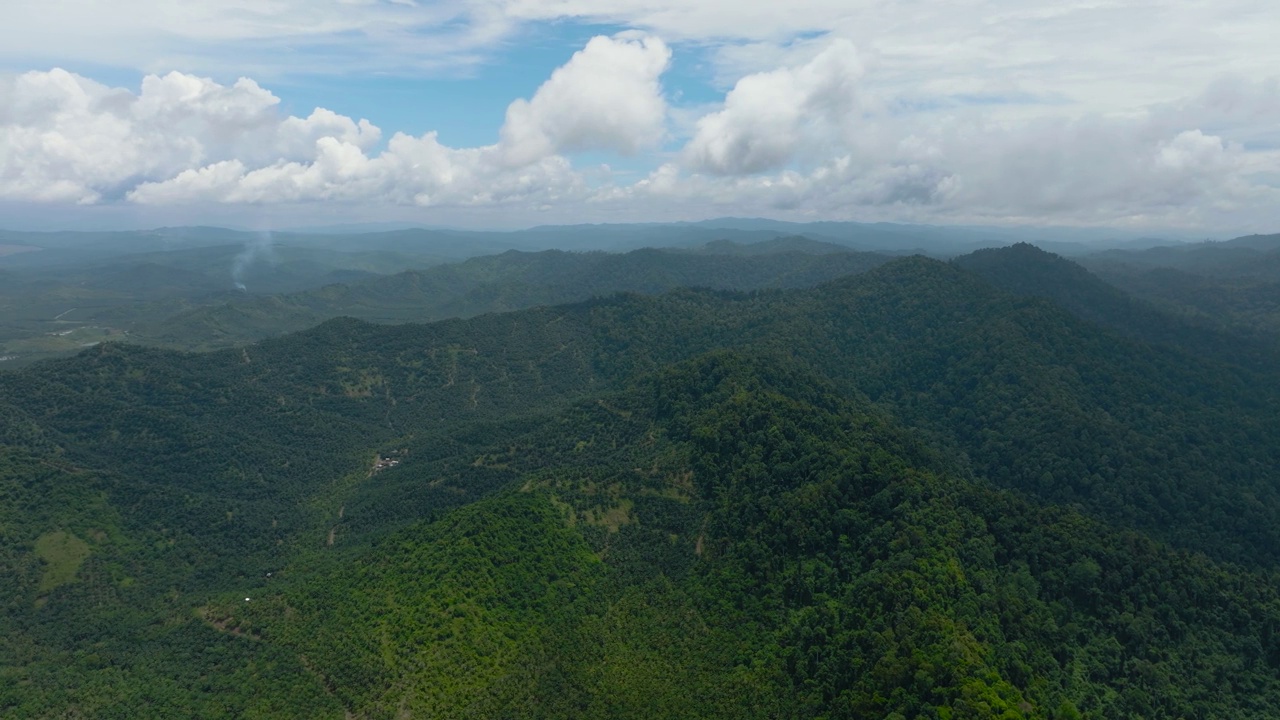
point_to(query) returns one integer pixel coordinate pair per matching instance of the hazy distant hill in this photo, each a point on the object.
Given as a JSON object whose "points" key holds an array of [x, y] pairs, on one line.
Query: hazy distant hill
{"points": [[78, 295], [1265, 243], [510, 281], [1234, 283], [1026, 270], [1253, 255], [62, 248], [794, 243]]}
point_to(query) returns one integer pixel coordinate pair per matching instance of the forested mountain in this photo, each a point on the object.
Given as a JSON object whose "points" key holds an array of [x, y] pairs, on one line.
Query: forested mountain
{"points": [[1251, 255], [208, 287], [55, 307], [510, 281], [1027, 270], [207, 297], [1233, 284], [940, 490]]}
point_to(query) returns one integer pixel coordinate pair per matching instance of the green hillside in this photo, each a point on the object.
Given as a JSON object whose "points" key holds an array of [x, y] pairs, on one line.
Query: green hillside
{"points": [[1233, 284], [907, 493], [207, 297], [1026, 270], [85, 295], [510, 281]]}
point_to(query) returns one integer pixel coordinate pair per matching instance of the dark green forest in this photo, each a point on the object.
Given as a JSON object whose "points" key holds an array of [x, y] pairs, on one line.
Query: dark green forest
{"points": [[997, 487]]}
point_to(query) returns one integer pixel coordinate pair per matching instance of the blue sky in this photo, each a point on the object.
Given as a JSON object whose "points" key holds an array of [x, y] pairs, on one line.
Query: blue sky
{"points": [[1133, 113], [465, 107]]}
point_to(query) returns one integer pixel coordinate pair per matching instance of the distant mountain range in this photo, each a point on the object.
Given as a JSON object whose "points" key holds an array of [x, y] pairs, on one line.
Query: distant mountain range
{"points": [[1234, 283], [203, 287], [395, 237]]}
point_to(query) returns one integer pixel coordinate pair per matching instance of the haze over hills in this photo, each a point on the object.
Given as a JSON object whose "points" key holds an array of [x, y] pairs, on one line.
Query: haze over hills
{"points": [[184, 298], [1236, 282], [993, 487], [509, 281], [877, 237], [76, 296], [1027, 270], [167, 285]]}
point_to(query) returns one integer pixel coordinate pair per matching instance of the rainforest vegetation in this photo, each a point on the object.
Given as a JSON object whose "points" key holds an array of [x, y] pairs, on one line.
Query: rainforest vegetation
{"points": [[997, 487]]}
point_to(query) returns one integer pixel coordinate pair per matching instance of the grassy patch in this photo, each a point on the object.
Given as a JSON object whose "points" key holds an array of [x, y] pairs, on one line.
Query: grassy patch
{"points": [[62, 553], [611, 518]]}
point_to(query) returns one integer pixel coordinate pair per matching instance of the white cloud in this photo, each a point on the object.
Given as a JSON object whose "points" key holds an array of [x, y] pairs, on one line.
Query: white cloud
{"points": [[607, 97], [1133, 169], [820, 135], [264, 39], [1092, 169], [185, 139], [410, 171], [1010, 56], [66, 132], [213, 182], [915, 122], [1102, 56], [768, 117], [65, 137]]}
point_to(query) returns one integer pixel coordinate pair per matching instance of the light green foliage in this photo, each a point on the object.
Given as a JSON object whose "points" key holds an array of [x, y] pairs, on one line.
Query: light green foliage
{"points": [[62, 553]]}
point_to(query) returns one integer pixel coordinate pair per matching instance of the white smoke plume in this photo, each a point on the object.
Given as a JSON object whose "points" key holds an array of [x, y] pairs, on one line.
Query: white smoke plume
{"points": [[259, 248]]}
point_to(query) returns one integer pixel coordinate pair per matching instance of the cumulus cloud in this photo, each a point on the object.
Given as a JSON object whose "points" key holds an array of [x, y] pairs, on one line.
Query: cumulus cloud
{"points": [[1010, 56], [410, 171], [184, 139], [607, 97], [1090, 169], [64, 137], [769, 116], [1096, 169], [816, 135]]}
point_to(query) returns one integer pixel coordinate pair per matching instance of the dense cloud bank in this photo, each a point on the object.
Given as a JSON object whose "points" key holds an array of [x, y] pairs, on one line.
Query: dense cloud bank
{"points": [[815, 133]]}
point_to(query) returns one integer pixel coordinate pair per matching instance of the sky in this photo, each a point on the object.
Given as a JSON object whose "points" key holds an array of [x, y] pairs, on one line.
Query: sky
{"points": [[1135, 114]]}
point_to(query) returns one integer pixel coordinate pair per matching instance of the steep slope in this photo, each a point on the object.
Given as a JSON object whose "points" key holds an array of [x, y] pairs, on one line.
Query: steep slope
{"points": [[1245, 300], [1026, 270], [1233, 283], [736, 540]]}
